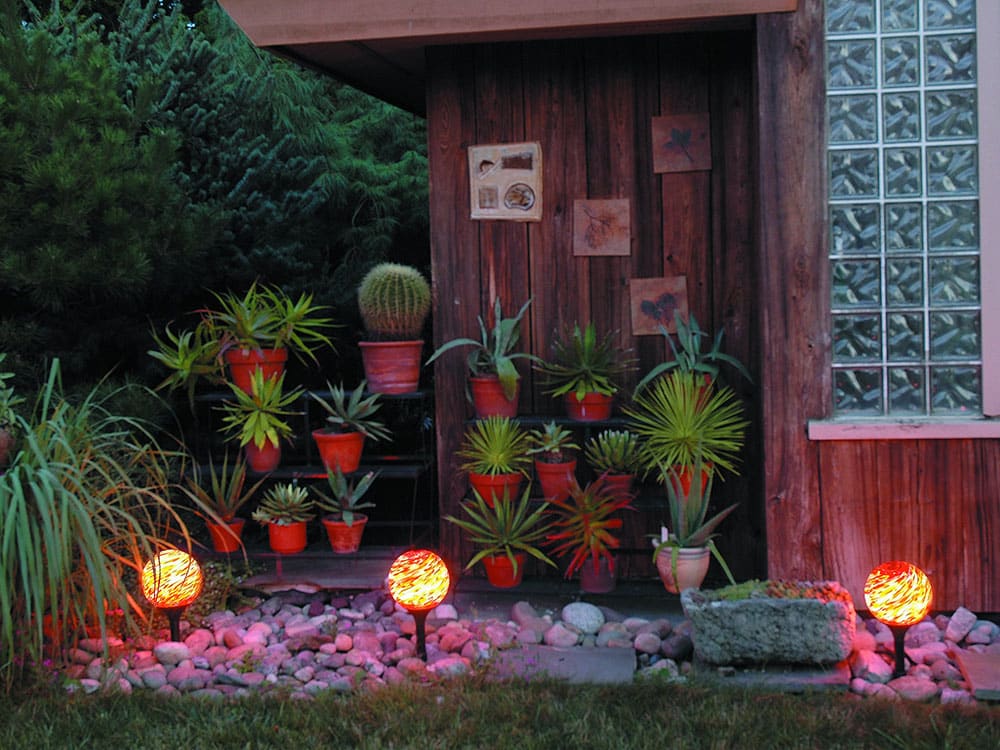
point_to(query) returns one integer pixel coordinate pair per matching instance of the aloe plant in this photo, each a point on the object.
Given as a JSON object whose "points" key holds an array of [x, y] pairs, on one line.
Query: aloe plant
{"points": [[495, 352], [495, 445]]}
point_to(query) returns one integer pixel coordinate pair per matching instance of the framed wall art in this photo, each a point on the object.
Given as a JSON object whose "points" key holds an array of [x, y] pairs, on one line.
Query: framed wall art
{"points": [[682, 143], [654, 302], [602, 227], [505, 181]]}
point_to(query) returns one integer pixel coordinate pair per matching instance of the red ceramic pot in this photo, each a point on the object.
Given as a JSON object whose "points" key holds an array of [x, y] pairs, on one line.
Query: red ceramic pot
{"points": [[594, 407], [226, 537], [489, 400], [345, 539], [500, 572], [597, 581], [265, 459], [496, 486], [391, 366], [555, 479], [242, 363], [287, 539], [341, 449]]}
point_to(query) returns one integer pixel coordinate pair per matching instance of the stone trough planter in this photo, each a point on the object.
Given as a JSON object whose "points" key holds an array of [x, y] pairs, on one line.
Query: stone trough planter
{"points": [[789, 626]]}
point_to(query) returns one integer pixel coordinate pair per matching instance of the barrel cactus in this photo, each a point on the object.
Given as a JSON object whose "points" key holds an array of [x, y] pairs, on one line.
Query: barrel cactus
{"points": [[394, 300]]}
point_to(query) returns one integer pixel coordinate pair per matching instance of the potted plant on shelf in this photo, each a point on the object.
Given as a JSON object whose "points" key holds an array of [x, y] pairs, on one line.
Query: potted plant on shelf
{"points": [[257, 418], [506, 534], [615, 455], [495, 453], [349, 421], [690, 536], [8, 416], [688, 356], [582, 371], [285, 508], [222, 494], [494, 380], [553, 448], [343, 523], [584, 528], [394, 300], [677, 421], [255, 330]]}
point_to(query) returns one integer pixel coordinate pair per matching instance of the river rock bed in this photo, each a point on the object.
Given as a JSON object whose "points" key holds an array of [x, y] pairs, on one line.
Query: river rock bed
{"points": [[299, 645]]}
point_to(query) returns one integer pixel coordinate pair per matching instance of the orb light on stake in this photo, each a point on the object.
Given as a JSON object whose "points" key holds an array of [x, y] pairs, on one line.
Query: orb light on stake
{"points": [[419, 581], [171, 581], [899, 595]]}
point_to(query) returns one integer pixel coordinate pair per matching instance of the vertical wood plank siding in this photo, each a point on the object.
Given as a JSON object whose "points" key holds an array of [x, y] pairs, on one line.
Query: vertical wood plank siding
{"points": [[590, 103]]}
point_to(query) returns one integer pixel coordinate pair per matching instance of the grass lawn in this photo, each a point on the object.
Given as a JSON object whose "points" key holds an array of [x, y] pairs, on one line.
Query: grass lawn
{"points": [[478, 713]]}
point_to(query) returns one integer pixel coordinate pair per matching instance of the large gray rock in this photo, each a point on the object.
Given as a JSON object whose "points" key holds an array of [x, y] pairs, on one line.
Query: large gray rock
{"points": [[765, 630]]}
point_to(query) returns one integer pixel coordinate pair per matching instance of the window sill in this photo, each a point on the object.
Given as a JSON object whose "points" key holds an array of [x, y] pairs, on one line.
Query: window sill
{"points": [[903, 429]]}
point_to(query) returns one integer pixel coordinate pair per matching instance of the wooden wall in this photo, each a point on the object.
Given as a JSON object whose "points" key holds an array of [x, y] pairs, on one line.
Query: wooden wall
{"points": [[590, 104]]}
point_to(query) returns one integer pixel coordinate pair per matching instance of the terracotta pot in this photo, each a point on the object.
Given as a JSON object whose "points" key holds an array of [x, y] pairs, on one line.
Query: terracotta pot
{"points": [[345, 539], [392, 366], [692, 567], [288, 539], [242, 363], [555, 479], [685, 474], [491, 486], [341, 449], [226, 537], [599, 581], [500, 572], [489, 400], [263, 460], [619, 484], [595, 407]]}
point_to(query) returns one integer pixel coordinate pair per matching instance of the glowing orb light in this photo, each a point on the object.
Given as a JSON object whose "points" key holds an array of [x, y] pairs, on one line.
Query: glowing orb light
{"points": [[171, 581], [898, 594], [419, 581]]}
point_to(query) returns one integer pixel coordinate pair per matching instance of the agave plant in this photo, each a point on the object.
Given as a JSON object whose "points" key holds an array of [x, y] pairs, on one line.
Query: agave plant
{"points": [[581, 363], [504, 528], [613, 451], [284, 504], [585, 523], [680, 417], [345, 495], [495, 352], [552, 443], [495, 445], [354, 414]]}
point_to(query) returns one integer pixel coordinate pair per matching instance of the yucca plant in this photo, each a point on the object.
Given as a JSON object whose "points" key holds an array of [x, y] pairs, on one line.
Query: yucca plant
{"points": [[345, 496], [353, 414], [224, 490], [613, 451], [495, 445], [259, 417], [85, 504], [504, 528], [582, 363], [495, 352], [552, 443], [585, 524], [284, 504], [680, 416]]}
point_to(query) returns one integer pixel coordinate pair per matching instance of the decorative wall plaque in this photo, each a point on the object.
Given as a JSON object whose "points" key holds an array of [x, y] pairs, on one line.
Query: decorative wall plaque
{"points": [[602, 227], [505, 181], [654, 302], [682, 143]]}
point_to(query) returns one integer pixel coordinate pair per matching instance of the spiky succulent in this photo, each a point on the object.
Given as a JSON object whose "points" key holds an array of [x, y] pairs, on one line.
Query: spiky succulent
{"points": [[613, 451], [394, 300], [353, 414], [552, 443], [285, 504], [495, 445]]}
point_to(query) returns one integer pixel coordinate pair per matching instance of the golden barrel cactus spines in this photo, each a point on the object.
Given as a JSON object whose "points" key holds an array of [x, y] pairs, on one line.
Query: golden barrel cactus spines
{"points": [[394, 300]]}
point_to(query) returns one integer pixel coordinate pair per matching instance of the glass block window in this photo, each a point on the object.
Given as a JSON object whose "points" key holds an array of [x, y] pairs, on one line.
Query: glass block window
{"points": [[901, 85]]}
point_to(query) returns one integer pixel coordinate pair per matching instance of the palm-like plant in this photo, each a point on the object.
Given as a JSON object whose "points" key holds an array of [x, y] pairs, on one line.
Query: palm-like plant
{"points": [[495, 445], [258, 417], [585, 524], [581, 363], [344, 500], [688, 354], [552, 443], [354, 414], [285, 504], [680, 417], [222, 491], [613, 451], [504, 528], [495, 352]]}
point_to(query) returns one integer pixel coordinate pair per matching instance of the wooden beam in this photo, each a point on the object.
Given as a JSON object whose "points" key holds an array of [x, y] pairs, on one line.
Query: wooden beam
{"points": [[287, 22]]}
